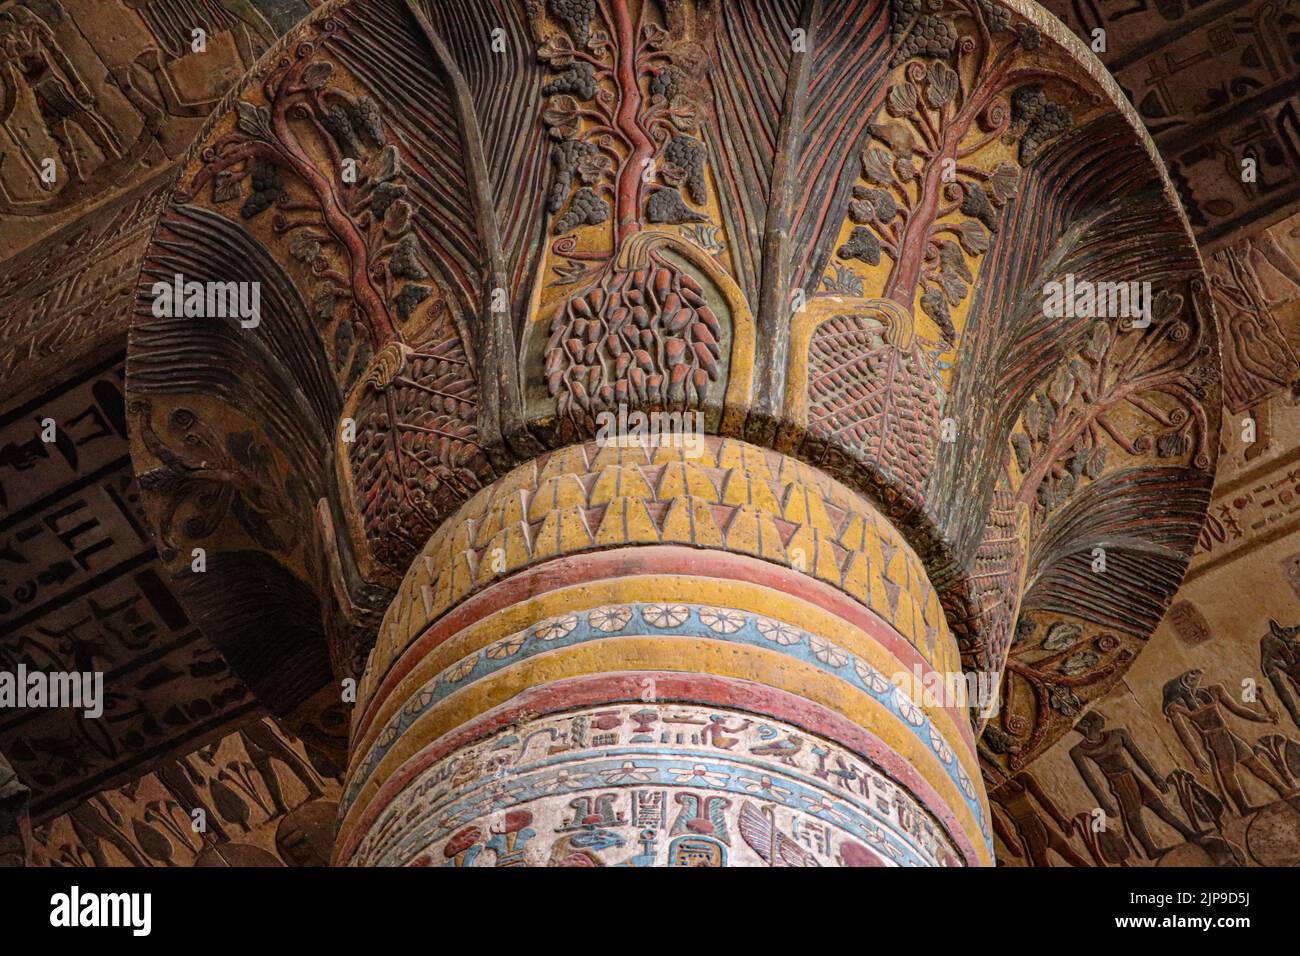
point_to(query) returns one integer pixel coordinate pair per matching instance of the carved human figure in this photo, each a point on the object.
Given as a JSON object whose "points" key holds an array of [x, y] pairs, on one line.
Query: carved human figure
{"points": [[1279, 659], [30, 56], [1111, 751], [1028, 829], [94, 829], [1257, 358], [182, 779], [1196, 714], [305, 836], [252, 24]]}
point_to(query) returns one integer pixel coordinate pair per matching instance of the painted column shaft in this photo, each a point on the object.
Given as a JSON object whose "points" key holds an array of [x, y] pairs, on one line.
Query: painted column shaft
{"points": [[644, 656]]}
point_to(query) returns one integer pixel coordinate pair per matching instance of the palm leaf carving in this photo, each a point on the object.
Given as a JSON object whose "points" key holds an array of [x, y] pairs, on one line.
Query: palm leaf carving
{"points": [[1146, 520], [873, 398], [753, 58], [505, 95], [789, 132]]}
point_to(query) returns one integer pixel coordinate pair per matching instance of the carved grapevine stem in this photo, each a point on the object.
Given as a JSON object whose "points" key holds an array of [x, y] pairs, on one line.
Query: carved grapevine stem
{"points": [[416, 453], [641, 334], [340, 224], [905, 211], [1065, 422], [627, 208], [940, 150], [1158, 373], [293, 90], [1050, 690]]}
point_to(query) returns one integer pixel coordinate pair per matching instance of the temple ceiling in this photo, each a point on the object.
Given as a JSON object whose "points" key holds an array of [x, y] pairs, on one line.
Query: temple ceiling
{"points": [[1217, 84], [80, 584]]}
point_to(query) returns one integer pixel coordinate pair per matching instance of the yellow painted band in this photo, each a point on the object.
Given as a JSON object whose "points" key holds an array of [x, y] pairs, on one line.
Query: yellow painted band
{"points": [[760, 489]]}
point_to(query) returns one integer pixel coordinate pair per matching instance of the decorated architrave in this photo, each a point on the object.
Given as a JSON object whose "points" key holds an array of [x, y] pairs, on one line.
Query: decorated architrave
{"points": [[914, 263]]}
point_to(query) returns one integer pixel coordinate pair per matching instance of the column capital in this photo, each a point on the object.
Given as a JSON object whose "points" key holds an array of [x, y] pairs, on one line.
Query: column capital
{"points": [[923, 246]]}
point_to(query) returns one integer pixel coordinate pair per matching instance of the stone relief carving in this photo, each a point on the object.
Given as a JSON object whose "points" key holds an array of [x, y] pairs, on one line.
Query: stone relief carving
{"points": [[642, 247], [96, 96], [1213, 84], [261, 801]]}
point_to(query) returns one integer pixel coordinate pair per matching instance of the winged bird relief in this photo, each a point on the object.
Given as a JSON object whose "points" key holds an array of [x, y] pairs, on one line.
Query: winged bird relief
{"points": [[759, 829]]}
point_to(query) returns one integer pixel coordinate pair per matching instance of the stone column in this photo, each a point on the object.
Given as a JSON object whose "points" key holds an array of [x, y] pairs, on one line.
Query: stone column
{"points": [[650, 656], [844, 237]]}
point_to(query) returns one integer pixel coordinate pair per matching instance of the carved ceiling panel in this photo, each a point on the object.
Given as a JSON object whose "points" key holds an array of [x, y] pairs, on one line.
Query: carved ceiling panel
{"points": [[1217, 82], [81, 591], [97, 96], [65, 302]]}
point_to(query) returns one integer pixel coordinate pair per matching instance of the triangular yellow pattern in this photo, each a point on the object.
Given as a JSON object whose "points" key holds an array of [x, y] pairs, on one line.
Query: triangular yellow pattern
{"points": [[826, 567], [742, 531], [684, 478], [555, 493], [770, 543], [619, 480], [857, 577], [743, 457]]}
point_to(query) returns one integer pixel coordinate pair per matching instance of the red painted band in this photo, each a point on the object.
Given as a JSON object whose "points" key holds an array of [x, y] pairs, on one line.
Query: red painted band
{"points": [[651, 559]]}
